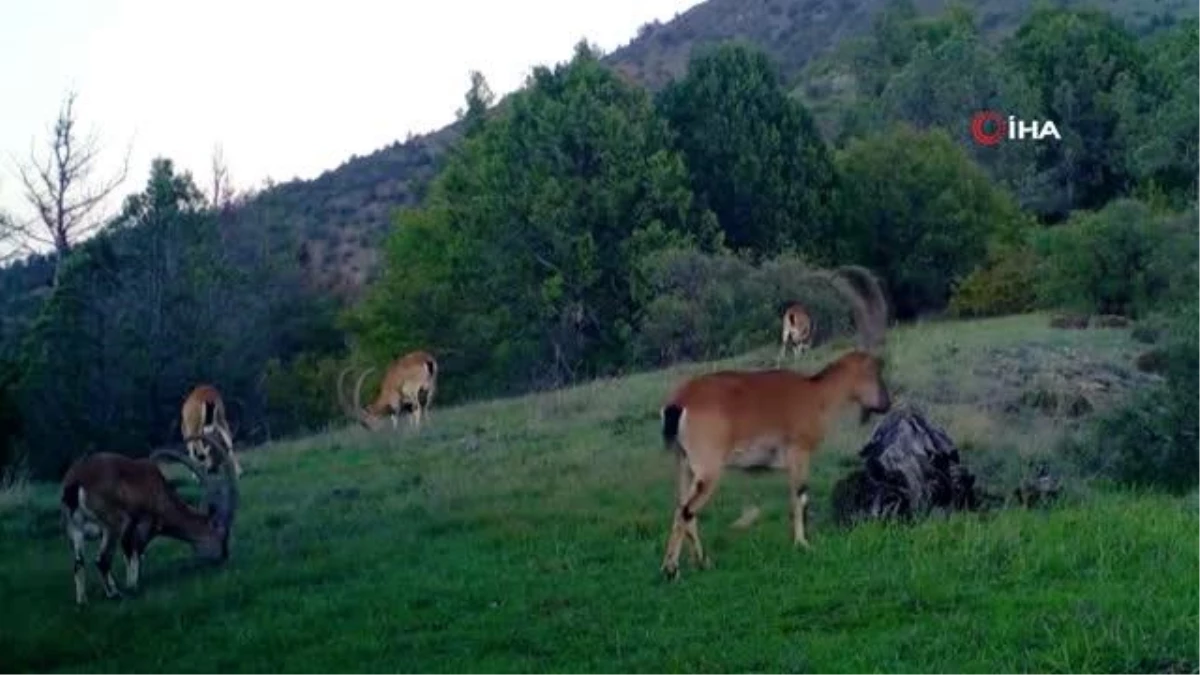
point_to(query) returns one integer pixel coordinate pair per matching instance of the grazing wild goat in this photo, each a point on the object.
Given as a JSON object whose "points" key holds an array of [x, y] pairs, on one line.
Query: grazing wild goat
{"points": [[204, 412], [763, 420], [129, 501], [797, 331], [408, 385]]}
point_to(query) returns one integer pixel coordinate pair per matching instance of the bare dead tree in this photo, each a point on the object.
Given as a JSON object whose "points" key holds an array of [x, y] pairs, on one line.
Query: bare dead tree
{"points": [[222, 188], [60, 186], [8, 251]]}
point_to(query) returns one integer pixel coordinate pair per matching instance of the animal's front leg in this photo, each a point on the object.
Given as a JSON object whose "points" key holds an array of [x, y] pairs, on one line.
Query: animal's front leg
{"points": [[108, 546], [798, 487], [133, 543]]}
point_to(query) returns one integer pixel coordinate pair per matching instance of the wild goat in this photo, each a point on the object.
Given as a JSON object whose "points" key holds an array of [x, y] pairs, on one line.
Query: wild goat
{"points": [[408, 385], [769, 420], [203, 412], [797, 331], [120, 499]]}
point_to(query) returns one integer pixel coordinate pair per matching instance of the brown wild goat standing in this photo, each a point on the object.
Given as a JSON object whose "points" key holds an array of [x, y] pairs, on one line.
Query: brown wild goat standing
{"points": [[129, 501], [768, 420], [797, 331], [409, 384], [204, 412]]}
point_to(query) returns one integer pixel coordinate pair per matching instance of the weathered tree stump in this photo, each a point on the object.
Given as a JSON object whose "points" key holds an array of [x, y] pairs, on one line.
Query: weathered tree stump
{"points": [[910, 467]]}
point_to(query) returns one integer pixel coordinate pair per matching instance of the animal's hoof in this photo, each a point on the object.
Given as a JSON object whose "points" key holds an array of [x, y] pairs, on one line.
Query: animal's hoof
{"points": [[670, 572], [803, 545]]}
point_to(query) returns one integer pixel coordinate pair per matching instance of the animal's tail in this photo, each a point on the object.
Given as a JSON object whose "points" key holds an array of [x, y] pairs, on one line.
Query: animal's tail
{"points": [[670, 429], [431, 366], [210, 410]]}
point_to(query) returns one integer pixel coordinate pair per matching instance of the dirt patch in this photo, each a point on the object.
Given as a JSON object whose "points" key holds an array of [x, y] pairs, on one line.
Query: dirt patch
{"points": [[1053, 381]]}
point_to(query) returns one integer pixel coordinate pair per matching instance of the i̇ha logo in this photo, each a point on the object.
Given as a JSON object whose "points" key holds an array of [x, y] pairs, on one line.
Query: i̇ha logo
{"points": [[989, 127]]}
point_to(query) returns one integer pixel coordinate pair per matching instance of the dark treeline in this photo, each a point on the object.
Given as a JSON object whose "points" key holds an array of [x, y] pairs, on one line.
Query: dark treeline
{"points": [[587, 227]]}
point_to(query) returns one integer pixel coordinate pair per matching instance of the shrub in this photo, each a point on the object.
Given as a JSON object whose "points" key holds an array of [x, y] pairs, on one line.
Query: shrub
{"points": [[1120, 260], [302, 395], [1152, 441], [702, 306], [1003, 285], [916, 209]]}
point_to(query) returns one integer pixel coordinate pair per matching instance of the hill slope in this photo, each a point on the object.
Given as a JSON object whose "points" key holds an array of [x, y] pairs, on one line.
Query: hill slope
{"points": [[339, 218], [525, 535]]}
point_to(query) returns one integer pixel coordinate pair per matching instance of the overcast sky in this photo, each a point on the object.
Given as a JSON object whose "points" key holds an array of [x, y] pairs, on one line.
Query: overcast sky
{"points": [[289, 89]]}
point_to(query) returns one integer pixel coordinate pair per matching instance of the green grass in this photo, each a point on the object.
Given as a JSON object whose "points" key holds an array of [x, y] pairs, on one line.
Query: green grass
{"points": [[526, 534]]}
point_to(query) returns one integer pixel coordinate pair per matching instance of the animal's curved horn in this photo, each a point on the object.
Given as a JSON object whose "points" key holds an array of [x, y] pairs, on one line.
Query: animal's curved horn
{"points": [[351, 412], [173, 455], [867, 286], [223, 496], [862, 289], [362, 416]]}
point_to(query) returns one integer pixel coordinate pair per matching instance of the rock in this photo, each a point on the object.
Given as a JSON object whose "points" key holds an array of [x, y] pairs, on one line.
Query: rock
{"points": [[1153, 361], [1073, 321], [1147, 334], [909, 467]]}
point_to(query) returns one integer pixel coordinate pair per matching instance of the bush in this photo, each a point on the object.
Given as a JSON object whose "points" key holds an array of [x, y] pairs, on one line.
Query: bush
{"points": [[302, 395], [916, 209], [1004, 285], [1152, 442], [700, 306], [1120, 260]]}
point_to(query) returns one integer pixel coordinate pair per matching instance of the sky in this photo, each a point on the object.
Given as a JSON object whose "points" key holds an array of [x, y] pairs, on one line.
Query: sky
{"points": [[287, 89]]}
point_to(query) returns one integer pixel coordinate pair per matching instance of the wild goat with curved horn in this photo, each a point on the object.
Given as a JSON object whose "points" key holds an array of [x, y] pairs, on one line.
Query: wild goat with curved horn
{"points": [[120, 499], [408, 385], [771, 419], [203, 411]]}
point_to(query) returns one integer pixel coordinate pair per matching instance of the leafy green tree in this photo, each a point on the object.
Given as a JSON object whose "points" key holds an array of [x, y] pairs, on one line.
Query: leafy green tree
{"points": [[945, 82], [917, 211], [1158, 120], [520, 268], [155, 304], [1075, 59], [754, 154], [478, 99]]}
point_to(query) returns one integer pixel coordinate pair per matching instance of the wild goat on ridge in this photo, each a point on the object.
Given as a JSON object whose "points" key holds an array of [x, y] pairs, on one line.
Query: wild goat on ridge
{"points": [[203, 412], [120, 499], [409, 384], [770, 420]]}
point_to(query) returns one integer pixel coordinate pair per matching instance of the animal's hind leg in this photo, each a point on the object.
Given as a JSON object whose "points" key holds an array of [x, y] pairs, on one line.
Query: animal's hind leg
{"points": [[77, 537], [700, 489], [690, 532]]}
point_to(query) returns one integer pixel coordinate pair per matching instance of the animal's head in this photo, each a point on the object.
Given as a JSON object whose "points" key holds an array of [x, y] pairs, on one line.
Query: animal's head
{"points": [[867, 387], [220, 495], [367, 416], [220, 498]]}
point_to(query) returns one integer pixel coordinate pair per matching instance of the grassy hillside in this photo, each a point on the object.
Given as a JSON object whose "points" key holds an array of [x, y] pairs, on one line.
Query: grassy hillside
{"points": [[525, 535]]}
